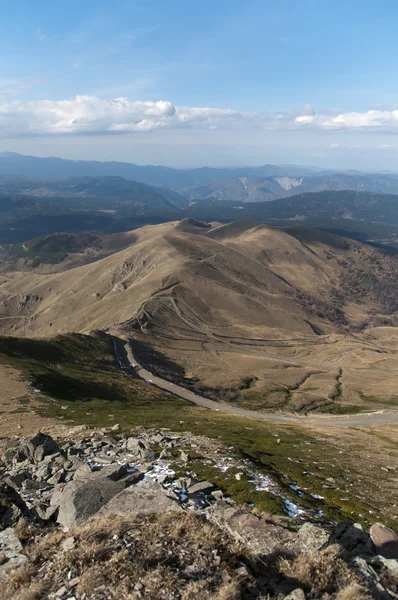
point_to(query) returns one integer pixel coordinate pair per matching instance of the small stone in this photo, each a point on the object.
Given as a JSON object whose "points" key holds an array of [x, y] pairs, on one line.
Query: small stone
{"points": [[296, 594], [10, 549], [45, 513], [184, 456], [165, 453], [139, 586], [68, 544], [189, 570], [42, 472], [57, 478], [82, 471], [202, 486], [242, 571], [184, 482], [217, 494], [31, 485], [16, 481], [115, 427], [134, 445], [61, 592], [147, 455]]}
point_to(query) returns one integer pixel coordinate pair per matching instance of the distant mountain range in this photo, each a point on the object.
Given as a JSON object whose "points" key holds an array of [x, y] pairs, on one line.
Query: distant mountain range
{"points": [[15, 164], [123, 180], [31, 204], [266, 189]]}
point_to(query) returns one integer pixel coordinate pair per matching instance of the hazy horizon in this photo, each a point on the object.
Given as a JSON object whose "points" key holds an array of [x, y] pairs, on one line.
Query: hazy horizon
{"points": [[198, 165], [184, 85]]}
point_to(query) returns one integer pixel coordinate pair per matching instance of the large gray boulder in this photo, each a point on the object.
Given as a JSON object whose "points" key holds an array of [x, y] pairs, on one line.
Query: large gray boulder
{"points": [[83, 497], [353, 540], [260, 536], [385, 540], [145, 498]]}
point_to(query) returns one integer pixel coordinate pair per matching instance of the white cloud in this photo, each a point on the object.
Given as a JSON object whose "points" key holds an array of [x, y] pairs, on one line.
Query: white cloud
{"points": [[305, 119], [95, 115], [334, 145]]}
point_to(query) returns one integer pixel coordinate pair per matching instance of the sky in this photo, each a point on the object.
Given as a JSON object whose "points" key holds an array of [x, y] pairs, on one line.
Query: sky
{"points": [[198, 82]]}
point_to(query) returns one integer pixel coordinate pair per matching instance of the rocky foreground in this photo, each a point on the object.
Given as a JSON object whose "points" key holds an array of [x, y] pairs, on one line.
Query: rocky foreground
{"points": [[100, 515]]}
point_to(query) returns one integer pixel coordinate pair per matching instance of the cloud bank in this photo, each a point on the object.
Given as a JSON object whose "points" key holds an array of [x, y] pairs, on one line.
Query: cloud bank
{"points": [[92, 115]]}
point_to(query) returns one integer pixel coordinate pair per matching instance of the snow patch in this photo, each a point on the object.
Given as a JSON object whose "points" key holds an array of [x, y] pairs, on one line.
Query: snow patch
{"points": [[287, 183], [292, 509]]}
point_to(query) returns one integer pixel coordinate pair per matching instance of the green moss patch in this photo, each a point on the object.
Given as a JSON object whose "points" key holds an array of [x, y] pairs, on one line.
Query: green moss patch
{"points": [[81, 383]]}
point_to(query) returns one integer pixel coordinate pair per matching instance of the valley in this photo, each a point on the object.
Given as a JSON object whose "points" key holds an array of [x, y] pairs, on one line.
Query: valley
{"points": [[258, 365], [261, 318]]}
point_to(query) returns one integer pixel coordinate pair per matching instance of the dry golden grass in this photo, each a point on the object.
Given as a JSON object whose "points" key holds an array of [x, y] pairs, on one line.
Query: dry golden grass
{"points": [[112, 555], [321, 572], [164, 556], [24, 531], [18, 585], [353, 591]]}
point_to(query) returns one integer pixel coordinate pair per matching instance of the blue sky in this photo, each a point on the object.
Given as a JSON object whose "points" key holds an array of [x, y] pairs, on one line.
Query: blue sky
{"points": [[220, 82]]}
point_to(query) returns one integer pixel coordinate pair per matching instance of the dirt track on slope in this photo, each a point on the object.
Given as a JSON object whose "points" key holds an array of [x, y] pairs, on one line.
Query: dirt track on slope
{"points": [[128, 362]]}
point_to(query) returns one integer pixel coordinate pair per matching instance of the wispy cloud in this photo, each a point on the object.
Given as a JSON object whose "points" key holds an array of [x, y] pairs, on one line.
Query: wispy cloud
{"points": [[92, 114], [40, 35], [15, 87], [387, 147]]}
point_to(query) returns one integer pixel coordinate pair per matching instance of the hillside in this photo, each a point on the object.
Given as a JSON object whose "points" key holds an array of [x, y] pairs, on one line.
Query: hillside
{"points": [[89, 192], [356, 214], [35, 207], [266, 317], [62, 250], [379, 208], [266, 189]]}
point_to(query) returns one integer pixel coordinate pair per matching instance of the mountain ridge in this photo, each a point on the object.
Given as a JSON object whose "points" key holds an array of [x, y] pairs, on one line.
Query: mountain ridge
{"points": [[295, 313], [267, 189], [14, 164]]}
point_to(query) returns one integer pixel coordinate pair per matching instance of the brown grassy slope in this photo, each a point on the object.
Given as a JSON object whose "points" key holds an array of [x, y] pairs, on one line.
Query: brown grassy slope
{"points": [[169, 556], [233, 301], [161, 257]]}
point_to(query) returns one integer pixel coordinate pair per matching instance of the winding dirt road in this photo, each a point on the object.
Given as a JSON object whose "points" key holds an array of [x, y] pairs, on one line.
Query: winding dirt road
{"points": [[127, 362]]}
